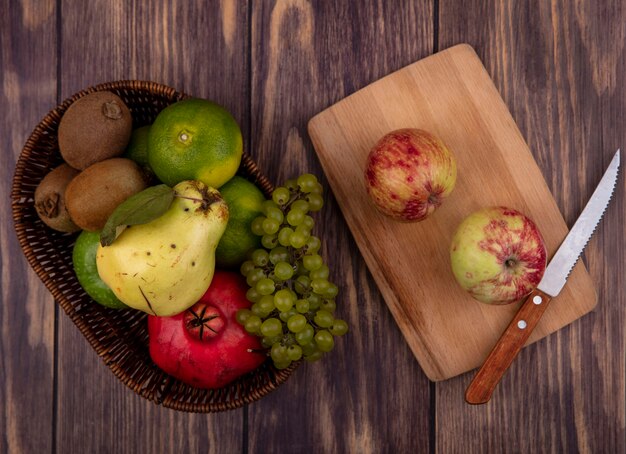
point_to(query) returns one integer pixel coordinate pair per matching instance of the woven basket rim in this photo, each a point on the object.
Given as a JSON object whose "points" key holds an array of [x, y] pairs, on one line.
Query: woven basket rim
{"points": [[54, 115]]}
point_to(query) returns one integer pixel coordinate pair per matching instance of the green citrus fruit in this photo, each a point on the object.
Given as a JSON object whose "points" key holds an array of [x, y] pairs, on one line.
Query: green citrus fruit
{"points": [[137, 148], [195, 139], [84, 260], [244, 202]]}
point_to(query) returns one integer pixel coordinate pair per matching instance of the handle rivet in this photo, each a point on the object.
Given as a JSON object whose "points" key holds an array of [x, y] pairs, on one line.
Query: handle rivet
{"points": [[537, 300], [522, 324]]}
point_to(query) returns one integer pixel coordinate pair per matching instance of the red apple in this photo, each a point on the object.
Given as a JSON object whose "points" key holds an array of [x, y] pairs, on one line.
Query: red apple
{"points": [[498, 255], [409, 172]]}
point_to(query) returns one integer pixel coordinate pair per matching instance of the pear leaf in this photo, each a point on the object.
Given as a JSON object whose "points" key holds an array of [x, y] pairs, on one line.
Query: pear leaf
{"points": [[141, 208]]}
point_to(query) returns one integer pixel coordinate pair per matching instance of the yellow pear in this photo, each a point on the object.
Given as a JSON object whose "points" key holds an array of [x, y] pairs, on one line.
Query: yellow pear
{"points": [[165, 266]]}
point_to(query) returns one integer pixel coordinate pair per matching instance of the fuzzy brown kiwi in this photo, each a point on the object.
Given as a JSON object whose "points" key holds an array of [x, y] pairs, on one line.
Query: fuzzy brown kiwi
{"points": [[94, 128], [95, 192], [50, 199]]}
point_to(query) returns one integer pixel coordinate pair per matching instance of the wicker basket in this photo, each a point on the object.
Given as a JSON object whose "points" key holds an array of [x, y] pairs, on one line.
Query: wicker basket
{"points": [[119, 337]]}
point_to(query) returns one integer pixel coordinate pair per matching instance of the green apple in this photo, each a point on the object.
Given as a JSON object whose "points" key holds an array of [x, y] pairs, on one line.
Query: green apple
{"points": [[84, 261], [498, 255]]}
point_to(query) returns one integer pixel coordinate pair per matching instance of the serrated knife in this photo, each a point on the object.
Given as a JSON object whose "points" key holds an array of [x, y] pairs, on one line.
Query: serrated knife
{"points": [[517, 333]]}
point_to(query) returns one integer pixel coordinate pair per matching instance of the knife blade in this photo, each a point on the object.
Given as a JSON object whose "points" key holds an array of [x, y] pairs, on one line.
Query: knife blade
{"points": [[555, 276]]}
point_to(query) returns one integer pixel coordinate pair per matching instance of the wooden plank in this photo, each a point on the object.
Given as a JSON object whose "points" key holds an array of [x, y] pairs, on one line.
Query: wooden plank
{"points": [[368, 395], [195, 47], [450, 95], [27, 310], [558, 68]]}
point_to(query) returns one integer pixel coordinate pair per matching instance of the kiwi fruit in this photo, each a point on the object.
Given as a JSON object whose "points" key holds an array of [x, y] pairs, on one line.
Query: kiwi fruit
{"points": [[95, 192], [50, 199], [94, 128]]}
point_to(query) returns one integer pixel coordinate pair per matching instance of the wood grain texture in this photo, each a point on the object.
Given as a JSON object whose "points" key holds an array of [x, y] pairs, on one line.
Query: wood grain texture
{"points": [[451, 95], [368, 395], [198, 48], [558, 66], [27, 310]]}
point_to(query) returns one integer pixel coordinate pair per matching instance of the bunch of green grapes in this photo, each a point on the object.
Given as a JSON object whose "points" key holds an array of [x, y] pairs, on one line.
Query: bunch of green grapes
{"points": [[293, 303]]}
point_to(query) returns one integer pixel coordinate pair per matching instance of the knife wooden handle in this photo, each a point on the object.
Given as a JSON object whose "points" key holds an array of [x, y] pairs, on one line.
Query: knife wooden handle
{"points": [[510, 343]]}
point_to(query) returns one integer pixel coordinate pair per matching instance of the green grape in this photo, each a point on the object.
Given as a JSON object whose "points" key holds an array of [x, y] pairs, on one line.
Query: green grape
{"points": [[309, 348], [318, 189], [296, 323], [270, 226], [301, 290], [329, 305], [257, 310], [302, 283], [305, 336], [284, 236], [285, 316], [291, 184], [297, 240], [242, 315], [307, 182], [252, 295], [320, 286], [257, 225], [252, 324], [267, 342], [339, 327], [279, 353], [304, 231], [254, 276], [314, 301], [279, 254], [313, 244], [289, 288], [260, 257], [269, 241], [271, 327], [268, 205], [265, 286], [315, 356], [295, 217], [302, 306], [321, 273], [276, 214], [331, 291], [316, 202], [294, 352], [266, 304], [283, 271], [323, 319], [324, 340], [300, 205], [308, 222], [246, 267], [281, 195], [301, 270], [312, 262], [284, 300]]}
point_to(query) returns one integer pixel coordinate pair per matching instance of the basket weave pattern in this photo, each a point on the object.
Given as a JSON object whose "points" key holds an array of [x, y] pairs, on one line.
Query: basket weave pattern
{"points": [[119, 337]]}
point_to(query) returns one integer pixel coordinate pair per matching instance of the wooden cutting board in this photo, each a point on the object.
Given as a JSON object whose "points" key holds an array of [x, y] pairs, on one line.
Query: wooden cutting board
{"points": [[451, 95]]}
